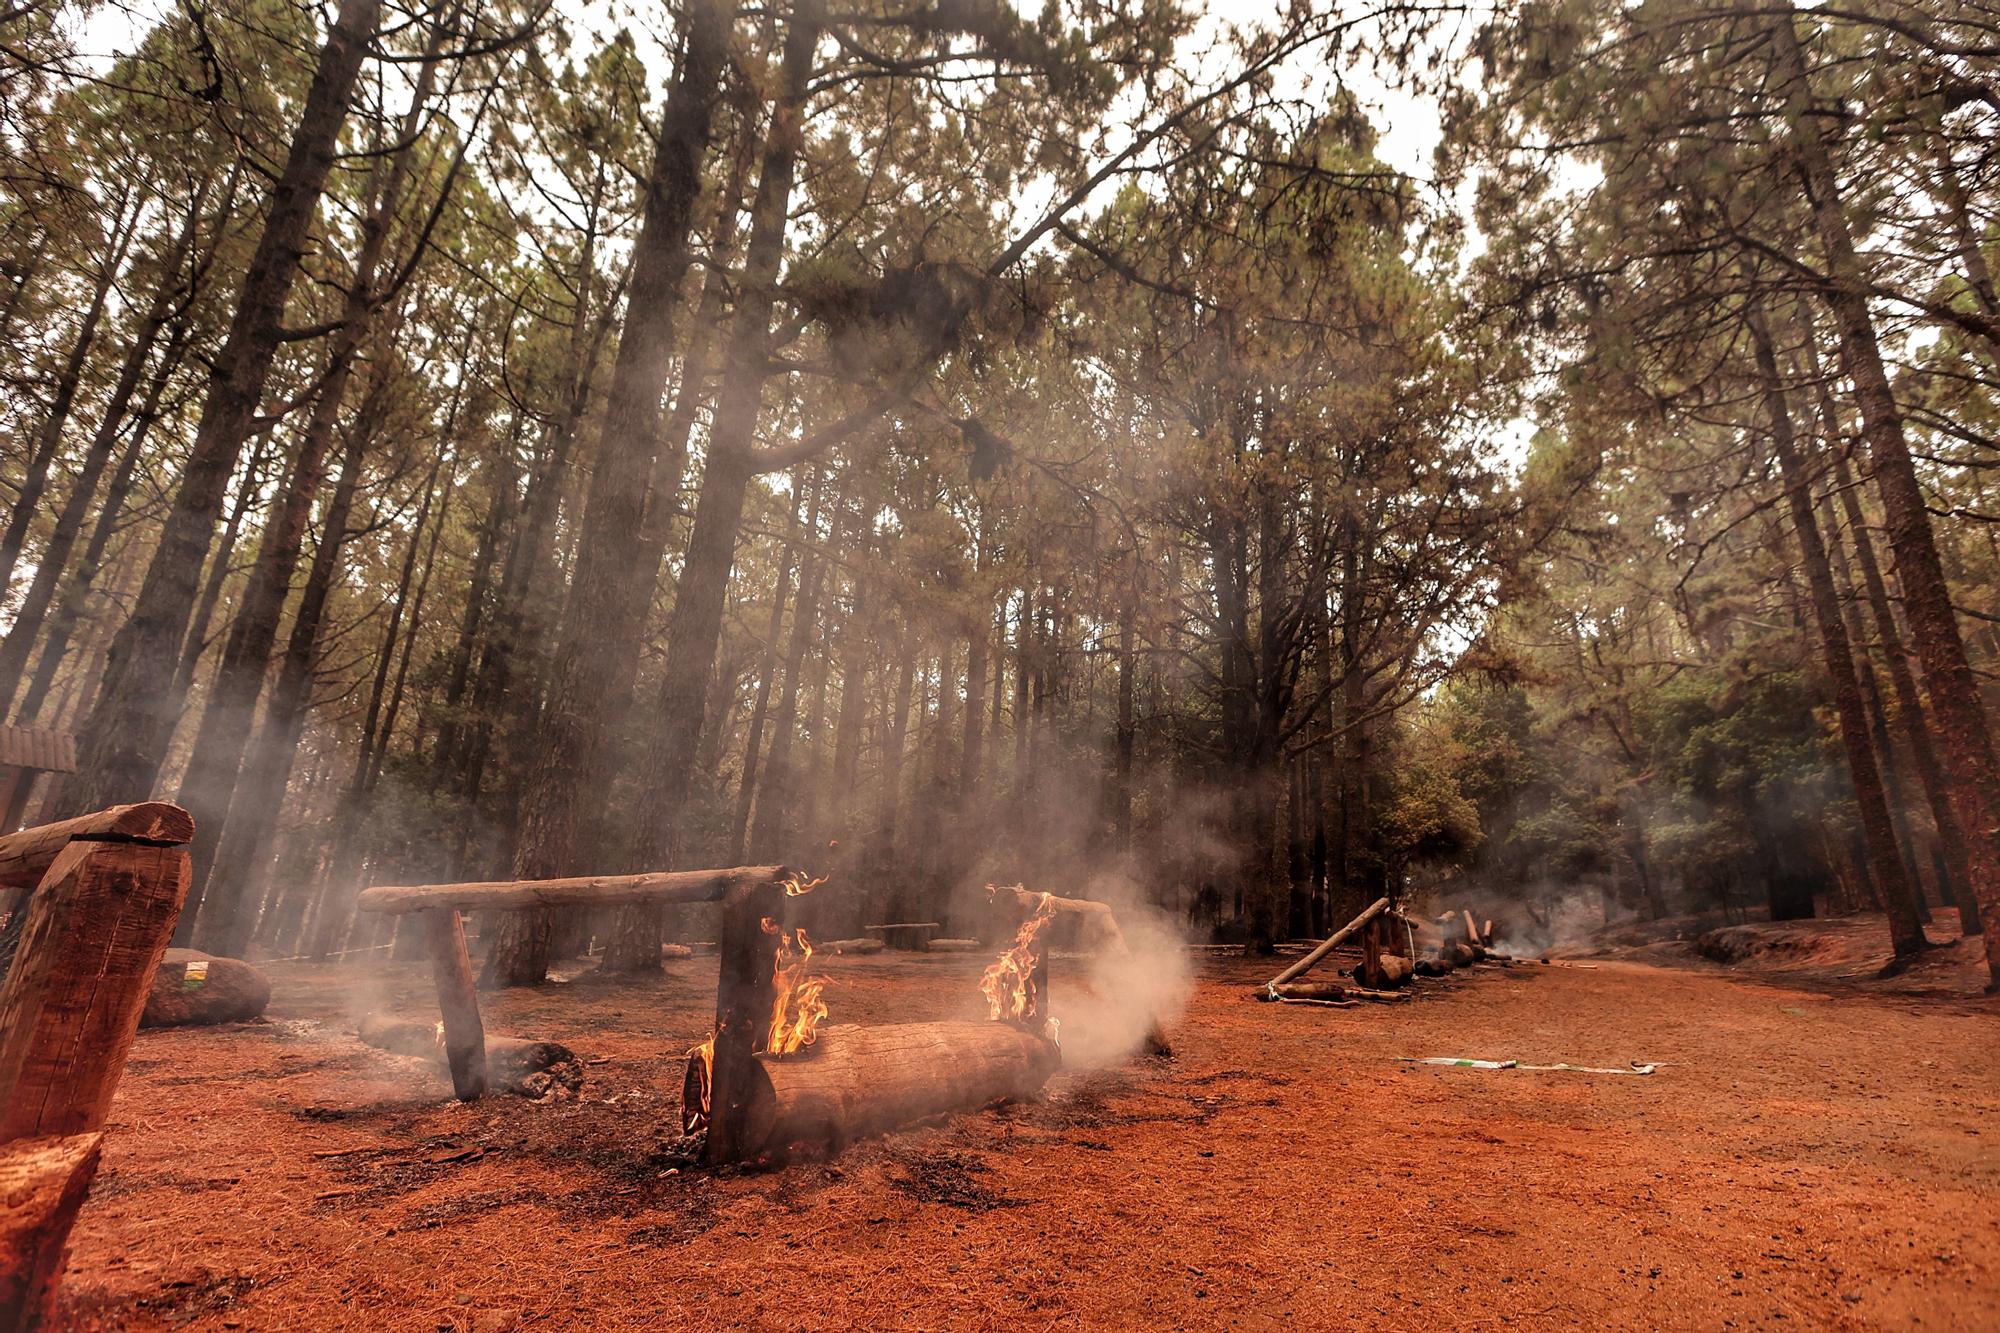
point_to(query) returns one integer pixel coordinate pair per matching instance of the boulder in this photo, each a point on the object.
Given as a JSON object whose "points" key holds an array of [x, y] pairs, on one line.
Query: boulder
{"points": [[194, 987]]}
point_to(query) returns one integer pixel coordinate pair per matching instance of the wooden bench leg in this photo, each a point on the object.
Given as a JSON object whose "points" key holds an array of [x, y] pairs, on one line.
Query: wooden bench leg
{"points": [[458, 1002], [94, 934]]}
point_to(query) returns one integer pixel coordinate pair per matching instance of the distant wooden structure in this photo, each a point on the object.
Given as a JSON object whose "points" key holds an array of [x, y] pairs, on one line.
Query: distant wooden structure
{"points": [[26, 753]]}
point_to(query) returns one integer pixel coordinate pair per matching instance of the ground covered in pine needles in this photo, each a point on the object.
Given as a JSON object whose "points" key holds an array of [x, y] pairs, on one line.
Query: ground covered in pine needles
{"points": [[1808, 1156]]}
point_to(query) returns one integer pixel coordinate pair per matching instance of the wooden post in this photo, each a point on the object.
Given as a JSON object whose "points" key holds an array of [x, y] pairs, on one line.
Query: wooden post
{"points": [[749, 966], [43, 1182], [95, 930], [458, 1002]]}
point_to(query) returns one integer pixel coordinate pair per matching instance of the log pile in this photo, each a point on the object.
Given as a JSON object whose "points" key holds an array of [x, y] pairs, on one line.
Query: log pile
{"points": [[1395, 949]]}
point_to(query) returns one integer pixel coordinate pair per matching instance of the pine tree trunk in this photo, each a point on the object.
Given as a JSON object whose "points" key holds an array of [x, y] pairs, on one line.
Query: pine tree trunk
{"points": [[609, 591], [70, 604], [125, 739], [1952, 844], [48, 441], [746, 790], [53, 563], [260, 797], [1885, 863], [696, 627], [1956, 706], [248, 491]]}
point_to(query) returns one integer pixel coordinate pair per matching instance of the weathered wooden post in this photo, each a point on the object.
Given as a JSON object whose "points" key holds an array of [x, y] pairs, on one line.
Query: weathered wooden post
{"points": [[107, 890], [458, 1001], [96, 928]]}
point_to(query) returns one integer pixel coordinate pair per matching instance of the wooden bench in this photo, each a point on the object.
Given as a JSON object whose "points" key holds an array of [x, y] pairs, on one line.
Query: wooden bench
{"points": [[441, 907], [103, 894]]}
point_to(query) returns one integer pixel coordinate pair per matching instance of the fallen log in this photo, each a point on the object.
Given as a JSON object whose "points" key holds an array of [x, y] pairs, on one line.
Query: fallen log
{"points": [[43, 1182], [1302, 990], [1461, 954], [518, 1065], [1388, 972], [1332, 942], [192, 987], [859, 947], [857, 1081]]}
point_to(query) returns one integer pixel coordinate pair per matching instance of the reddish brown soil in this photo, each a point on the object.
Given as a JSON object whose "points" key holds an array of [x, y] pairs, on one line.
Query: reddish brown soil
{"points": [[1803, 1160]]}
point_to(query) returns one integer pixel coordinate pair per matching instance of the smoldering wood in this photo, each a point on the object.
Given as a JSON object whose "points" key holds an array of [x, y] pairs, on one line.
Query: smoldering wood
{"points": [[25, 856], [747, 971], [522, 1065], [458, 1002], [1332, 942], [670, 886], [94, 933], [1101, 921], [857, 1081], [43, 1182]]}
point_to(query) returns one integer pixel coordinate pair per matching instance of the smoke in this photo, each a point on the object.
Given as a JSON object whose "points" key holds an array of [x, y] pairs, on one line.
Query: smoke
{"points": [[1111, 999], [1545, 917]]}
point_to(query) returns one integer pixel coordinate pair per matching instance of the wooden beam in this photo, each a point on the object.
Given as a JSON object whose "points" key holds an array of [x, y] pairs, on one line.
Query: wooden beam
{"points": [[25, 856], [1333, 941], [1029, 902], [674, 886], [43, 1182], [458, 1002], [95, 930]]}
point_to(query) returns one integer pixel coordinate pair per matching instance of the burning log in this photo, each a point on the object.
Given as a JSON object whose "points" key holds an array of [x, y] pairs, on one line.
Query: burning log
{"points": [[513, 1064], [854, 1082], [1097, 918]]}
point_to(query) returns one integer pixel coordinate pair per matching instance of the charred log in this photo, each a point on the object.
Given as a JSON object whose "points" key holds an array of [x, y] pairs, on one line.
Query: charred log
{"points": [[855, 1082], [525, 1067]]}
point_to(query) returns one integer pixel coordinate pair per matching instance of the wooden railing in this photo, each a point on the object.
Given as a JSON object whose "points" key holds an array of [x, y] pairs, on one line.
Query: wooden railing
{"points": [[103, 894]]}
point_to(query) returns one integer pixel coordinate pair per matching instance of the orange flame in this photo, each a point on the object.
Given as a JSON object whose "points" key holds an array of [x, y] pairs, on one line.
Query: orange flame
{"points": [[797, 883], [796, 1006], [695, 1099], [796, 1010], [1007, 983]]}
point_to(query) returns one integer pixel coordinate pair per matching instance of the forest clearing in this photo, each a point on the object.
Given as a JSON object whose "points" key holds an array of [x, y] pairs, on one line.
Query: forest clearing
{"points": [[1282, 1170], [999, 663]]}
